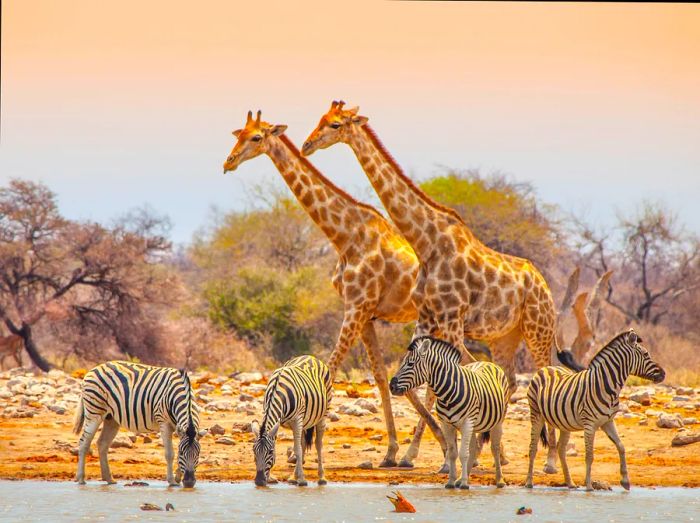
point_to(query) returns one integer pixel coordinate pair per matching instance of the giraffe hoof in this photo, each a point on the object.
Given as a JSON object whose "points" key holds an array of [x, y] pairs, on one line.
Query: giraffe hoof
{"points": [[444, 469], [450, 485], [388, 463], [528, 484], [500, 484], [464, 486], [322, 482], [81, 482], [548, 469], [302, 483], [625, 485], [405, 464]]}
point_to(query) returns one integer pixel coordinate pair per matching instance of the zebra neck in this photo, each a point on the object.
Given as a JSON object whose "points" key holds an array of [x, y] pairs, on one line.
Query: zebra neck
{"points": [[443, 378], [273, 413], [609, 375]]}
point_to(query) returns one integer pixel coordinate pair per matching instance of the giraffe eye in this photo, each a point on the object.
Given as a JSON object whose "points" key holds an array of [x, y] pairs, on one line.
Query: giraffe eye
{"points": [[256, 138], [335, 125]]}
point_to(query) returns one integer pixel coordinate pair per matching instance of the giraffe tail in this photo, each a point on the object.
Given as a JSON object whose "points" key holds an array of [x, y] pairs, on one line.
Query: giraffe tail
{"points": [[567, 359]]}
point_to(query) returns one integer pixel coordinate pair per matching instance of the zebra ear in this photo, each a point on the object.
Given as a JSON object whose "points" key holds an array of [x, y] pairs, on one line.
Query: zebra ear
{"points": [[633, 338], [255, 428]]}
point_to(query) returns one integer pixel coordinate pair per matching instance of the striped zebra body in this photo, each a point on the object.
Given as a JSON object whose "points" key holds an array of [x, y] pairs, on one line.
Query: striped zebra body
{"points": [[471, 398], [297, 397], [140, 398], [587, 400]]}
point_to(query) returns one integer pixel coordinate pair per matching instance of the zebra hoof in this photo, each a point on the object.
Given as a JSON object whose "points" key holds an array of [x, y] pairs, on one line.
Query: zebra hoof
{"points": [[387, 463], [292, 481], [302, 483], [500, 484], [322, 482], [109, 481], [573, 486], [504, 461], [81, 482], [292, 459], [450, 485], [625, 485], [528, 484], [464, 486], [444, 469], [549, 469], [405, 464]]}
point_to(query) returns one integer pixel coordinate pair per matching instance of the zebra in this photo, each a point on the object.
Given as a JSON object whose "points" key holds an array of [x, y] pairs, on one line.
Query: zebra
{"points": [[588, 400], [139, 398], [471, 398], [297, 397]]}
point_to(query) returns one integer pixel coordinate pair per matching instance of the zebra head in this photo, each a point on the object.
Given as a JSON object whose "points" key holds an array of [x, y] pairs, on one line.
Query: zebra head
{"points": [[187, 429], [641, 364], [264, 451], [415, 367]]}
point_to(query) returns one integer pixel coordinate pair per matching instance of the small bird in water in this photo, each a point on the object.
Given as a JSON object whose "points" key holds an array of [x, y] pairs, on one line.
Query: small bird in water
{"points": [[523, 510], [151, 506], [401, 504]]}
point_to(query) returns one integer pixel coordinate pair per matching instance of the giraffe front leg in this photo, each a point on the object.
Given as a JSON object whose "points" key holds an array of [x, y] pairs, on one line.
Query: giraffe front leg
{"points": [[320, 428], [89, 431], [611, 430], [109, 431], [426, 418], [298, 431], [589, 438], [376, 359], [166, 435]]}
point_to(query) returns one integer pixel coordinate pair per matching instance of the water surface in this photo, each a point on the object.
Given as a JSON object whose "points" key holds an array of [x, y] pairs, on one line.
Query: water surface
{"points": [[356, 502]]}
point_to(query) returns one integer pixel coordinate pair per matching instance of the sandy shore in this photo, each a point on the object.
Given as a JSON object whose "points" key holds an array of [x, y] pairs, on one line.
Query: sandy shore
{"points": [[36, 442]]}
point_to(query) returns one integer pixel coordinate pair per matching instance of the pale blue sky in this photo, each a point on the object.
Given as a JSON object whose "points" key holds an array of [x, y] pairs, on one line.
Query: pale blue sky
{"points": [[114, 107]]}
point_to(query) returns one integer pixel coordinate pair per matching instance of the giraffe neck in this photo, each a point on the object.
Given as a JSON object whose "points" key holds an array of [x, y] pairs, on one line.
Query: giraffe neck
{"points": [[417, 216], [333, 210]]}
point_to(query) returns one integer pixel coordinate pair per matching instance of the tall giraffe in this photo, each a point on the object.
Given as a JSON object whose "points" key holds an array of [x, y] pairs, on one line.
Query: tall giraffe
{"points": [[463, 286], [376, 269]]}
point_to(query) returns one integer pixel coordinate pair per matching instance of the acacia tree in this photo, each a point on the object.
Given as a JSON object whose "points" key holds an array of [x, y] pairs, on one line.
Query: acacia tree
{"points": [[102, 277], [655, 260]]}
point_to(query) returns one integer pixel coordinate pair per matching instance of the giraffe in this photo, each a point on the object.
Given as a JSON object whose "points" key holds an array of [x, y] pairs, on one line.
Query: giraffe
{"points": [[376, 269], [463, 286]]}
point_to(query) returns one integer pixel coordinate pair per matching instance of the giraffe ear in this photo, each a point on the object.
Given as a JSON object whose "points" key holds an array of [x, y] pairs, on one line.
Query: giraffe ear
{"points": [[360, 120], [277, 130], [237, 132]]}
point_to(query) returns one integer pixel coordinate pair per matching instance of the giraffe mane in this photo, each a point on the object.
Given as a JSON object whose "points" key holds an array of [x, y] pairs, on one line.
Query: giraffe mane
{"points": [[340, 192], [417, 190]]}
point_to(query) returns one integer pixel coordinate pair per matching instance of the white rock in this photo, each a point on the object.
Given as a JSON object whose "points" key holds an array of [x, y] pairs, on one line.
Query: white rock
{"points": [[669, 421], [367, 405], [248, 377], [122, 441]]}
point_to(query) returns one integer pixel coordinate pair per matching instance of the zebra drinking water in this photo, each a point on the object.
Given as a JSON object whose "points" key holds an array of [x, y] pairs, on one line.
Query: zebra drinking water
{"points": [[471, 398], [139, 398], [297, 397], [587, 400]]}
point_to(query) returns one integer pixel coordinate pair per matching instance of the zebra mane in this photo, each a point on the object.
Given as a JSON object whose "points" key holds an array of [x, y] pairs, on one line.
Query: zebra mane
{"points": [[191, 431], [612, 345], [263, 423], [437, 343]]}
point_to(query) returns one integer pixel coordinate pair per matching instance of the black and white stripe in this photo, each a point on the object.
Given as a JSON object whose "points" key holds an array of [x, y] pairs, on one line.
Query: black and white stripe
{"points": [[471, 398], [588, 400], [297, 397], [139, 398]]}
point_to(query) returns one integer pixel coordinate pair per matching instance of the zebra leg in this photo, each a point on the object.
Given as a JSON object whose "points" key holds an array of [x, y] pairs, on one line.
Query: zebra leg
{"points": [[166, 434], [467, 454], [109, 430], [376, 360], [320, 428], [611, 430], [89, 431], [297, 429], [589, 437], [550, 467], [451, 439], [537, 424], [496, 448], [561, 450]]}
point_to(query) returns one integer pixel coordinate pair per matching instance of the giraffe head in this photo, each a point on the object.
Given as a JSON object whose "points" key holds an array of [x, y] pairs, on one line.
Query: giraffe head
{"points": [[252, 141], [335, 126]]}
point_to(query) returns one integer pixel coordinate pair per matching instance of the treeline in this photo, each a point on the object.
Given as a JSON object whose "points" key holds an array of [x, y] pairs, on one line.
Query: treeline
{"points": [[253, 288]]}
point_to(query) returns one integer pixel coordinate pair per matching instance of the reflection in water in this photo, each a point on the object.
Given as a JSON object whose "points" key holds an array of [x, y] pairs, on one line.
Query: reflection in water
{"points": [[64, 501]]}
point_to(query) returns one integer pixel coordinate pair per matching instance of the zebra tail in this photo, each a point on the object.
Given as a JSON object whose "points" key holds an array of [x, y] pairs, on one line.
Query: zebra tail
{"points": [[308, 438], [485, 437], [543, 437], [79, 418]]}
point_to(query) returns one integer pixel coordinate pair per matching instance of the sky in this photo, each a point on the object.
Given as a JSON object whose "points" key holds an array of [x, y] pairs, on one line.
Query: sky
{"points": [[119, 104]]}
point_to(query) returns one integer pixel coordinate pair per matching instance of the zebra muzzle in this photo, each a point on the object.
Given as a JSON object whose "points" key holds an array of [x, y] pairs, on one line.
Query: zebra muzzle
{"points": [[260, 479], [394, 387]]}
